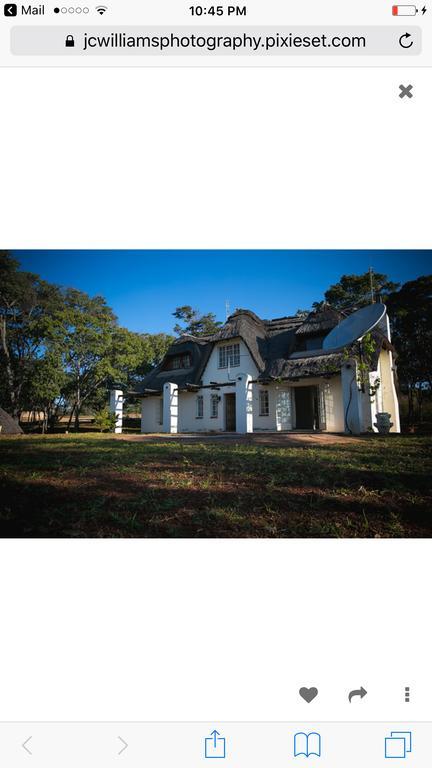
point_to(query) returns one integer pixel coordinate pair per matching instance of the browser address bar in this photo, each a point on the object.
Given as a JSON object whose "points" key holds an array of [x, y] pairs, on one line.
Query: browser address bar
{"points": [[249, 41]]}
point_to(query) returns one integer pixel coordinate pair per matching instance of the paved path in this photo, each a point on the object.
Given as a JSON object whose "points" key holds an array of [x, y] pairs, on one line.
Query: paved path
{"points": [[275, 439]]}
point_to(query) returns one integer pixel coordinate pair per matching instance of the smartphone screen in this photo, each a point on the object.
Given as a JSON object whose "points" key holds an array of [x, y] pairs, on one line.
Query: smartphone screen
{"points": [[215, 384]]}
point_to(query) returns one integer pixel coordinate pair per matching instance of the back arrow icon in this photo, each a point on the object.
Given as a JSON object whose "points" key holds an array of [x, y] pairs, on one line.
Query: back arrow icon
{"points": [[25, 743], [360, 693]]}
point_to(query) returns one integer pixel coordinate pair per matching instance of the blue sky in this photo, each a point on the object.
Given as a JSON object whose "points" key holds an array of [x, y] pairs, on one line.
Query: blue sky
{"points": [[144, 287]]}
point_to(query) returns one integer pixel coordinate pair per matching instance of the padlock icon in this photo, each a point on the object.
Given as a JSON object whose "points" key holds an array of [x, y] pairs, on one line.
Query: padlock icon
{"points": [[70, 42]]}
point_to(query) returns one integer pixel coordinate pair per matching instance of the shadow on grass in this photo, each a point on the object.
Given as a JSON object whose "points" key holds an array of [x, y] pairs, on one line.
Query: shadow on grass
{"points": [[94, 487], [107, 506], [373, 465]]}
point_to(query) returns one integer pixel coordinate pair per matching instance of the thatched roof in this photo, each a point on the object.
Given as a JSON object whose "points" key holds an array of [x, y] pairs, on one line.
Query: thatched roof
{"points": [[320, 322], [280, 348], [8, 425], [246, 325], [199, 350], [300, 368]]}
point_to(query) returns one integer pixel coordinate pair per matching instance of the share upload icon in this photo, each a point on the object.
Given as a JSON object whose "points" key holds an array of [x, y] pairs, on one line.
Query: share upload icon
{"points": [[398, 744], [215, 746]]}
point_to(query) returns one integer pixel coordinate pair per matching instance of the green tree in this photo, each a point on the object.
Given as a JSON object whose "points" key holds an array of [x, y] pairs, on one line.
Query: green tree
{"points": [[97, 352], [42, 391], [125, 355], [94, 349], [194, 323], [357, 290], [410, 311], [153, 349], [61, 347], [104, 420], [128, 349], [26, 305]]}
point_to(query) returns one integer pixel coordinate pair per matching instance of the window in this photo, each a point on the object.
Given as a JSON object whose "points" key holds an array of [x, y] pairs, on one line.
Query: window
{"points": [[264, 402], [174, 362], [214, 406], [199, 407], [314, 343], [229, 355], [160, 411]]}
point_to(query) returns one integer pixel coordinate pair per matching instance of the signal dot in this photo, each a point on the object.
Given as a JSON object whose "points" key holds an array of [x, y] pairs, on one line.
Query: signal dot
{"points": [[56, 10]]}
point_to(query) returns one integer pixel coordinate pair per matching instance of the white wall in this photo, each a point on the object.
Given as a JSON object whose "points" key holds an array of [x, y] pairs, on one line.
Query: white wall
{"points": [[264, 423], [334, 408], [213, 373], [187, 407], [186, 411], [332, 394], [150, 412]]}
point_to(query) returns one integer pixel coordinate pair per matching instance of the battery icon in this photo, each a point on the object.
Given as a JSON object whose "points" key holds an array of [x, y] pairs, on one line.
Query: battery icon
{"points": [[404, 10]]}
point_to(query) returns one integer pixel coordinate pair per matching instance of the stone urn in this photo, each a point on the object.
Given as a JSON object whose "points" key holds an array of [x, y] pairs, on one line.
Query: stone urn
{"points": [[383, 423]]}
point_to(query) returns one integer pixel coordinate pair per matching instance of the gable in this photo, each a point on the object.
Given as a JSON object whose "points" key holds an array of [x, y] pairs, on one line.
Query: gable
{"points": [[222, 363]]}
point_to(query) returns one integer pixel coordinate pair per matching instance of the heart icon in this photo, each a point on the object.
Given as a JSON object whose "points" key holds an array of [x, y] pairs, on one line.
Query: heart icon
{"points": [[308, 694]]}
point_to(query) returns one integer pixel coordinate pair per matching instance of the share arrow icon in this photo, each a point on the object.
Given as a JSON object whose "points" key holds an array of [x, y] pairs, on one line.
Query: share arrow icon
{"points": [[361, 692], [215, 734]]}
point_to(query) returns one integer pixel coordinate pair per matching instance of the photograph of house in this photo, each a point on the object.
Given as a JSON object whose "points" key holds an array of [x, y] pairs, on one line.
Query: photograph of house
{"points": [[257, 375], [215, 394]]}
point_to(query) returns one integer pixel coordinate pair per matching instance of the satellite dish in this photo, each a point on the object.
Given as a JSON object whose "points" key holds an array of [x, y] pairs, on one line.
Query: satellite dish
{"points": [[354, 327]]}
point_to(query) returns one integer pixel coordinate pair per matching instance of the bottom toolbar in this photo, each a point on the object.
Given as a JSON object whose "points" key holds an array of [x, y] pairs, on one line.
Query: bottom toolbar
{"points": [[243, 745]]}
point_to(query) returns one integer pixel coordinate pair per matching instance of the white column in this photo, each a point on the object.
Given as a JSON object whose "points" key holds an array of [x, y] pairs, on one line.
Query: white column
{"points": [[396, 415], [244, 404], [116, 406], [143, 414], [351, 398], [390, 401], [170, 408]]}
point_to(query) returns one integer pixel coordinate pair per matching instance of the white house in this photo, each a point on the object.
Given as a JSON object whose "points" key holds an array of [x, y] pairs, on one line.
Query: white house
{"points": [[258, 375]]}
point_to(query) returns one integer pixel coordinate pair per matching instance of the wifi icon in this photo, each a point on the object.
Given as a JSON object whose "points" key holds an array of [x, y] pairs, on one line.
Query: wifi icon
{"points": [[101, 9]]}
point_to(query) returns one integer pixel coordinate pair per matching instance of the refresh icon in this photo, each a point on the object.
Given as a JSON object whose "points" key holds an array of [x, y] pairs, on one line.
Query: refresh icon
{"points": [[406, 41]]}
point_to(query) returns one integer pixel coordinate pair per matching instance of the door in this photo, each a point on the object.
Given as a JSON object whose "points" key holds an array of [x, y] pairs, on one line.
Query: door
{"points": [[230, 413], [306, 404], [283, 410]]}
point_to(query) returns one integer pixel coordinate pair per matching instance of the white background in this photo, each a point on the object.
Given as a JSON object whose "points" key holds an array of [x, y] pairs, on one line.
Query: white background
{"points": [[217, 158], [214, 630]]}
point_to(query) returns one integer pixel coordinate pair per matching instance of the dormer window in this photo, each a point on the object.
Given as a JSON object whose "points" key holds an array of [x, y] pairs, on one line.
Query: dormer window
{"points": [[307, 343], [229, 356], [314, 343], [175, 362]]}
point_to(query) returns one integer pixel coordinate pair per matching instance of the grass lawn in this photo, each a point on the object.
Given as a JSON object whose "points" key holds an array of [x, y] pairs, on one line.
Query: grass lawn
{"points": [[97, 485]]}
